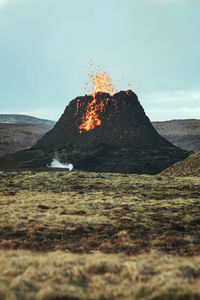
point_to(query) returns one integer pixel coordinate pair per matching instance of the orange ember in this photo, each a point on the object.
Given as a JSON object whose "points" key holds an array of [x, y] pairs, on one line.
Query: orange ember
{"points": [[101, 82]]}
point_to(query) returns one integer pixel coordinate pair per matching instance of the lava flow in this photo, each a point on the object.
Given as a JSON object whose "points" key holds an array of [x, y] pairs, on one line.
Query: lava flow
{"points": [[101, 82]]}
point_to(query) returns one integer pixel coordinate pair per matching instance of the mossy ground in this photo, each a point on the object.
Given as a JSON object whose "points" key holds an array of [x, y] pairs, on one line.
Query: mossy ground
{"points": [[135, 222]]}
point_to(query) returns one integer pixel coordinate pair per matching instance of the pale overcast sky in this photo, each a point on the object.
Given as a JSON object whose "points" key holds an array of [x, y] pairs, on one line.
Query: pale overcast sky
{"points": [[45, 46]]}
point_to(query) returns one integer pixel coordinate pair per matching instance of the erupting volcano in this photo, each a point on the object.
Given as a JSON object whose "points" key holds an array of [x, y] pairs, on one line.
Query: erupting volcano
{"points": [[106, 132]]}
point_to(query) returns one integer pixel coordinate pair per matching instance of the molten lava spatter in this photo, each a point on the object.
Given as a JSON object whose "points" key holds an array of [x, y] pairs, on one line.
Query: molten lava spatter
{"points": [[91, 118], [101, 82]]}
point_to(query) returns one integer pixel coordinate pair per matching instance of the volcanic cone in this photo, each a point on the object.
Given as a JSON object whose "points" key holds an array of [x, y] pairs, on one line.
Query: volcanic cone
{"points": [[107, 133]]}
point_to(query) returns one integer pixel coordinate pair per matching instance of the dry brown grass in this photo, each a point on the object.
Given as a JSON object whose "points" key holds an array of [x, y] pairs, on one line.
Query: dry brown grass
{"points": [[59, 275], [187, 167], [75, 214], [107, 212]]}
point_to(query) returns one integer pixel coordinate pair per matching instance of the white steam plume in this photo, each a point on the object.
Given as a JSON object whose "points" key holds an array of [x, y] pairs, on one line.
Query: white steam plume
{"points": [[57, 164]]}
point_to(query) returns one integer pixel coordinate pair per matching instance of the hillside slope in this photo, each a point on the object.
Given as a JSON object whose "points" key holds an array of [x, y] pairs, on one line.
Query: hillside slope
{"points": [[182, 133], [188, 167], [18, 132], [15, 137]]}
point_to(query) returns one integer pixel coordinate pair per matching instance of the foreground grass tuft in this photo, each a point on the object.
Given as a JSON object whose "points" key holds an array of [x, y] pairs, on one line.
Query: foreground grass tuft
{"points": [[58, 275]]}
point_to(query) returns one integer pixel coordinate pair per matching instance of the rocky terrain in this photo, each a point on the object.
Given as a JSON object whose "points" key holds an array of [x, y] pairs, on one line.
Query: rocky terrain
{"points": [[78, 235], [103, 133], [18, 132], [182, 133]]}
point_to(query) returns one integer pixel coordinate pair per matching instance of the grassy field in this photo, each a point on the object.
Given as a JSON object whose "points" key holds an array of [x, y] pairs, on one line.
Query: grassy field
{"points": [[82, 235]]}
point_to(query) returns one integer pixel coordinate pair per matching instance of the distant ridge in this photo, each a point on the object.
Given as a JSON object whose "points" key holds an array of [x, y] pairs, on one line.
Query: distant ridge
{"points": [[23, 119], [18, 132], [182, 133]]}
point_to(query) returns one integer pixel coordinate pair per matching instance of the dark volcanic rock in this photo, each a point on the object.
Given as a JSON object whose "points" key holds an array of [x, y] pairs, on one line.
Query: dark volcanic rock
{"points": [[125, 141]]}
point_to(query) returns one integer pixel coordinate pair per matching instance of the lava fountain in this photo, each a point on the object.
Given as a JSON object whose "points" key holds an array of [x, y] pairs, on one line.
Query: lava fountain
{"points": [[101, 82]]}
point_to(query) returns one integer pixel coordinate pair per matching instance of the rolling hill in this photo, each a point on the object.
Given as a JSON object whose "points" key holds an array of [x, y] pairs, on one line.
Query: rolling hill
{"points": [[182, 133], [19, 132]]}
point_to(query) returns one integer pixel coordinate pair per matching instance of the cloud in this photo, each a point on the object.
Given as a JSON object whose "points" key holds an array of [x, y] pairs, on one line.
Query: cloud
{"points": [[43, 113], [172, 105], [159, 106], [176, 98], [3, 2]]}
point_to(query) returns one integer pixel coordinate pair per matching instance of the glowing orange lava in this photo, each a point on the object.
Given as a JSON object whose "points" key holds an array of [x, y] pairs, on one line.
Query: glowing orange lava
{"points": [[101, 82]]}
